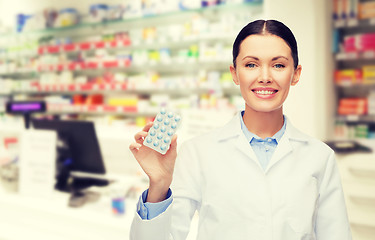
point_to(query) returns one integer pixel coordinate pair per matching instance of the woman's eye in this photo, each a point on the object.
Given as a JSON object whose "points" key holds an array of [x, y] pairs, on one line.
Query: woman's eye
{"points": [[279, 66], [250, 65]]}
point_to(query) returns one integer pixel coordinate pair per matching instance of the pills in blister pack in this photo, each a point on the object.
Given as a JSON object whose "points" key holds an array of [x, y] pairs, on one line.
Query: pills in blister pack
{"points": [[160, 135]]}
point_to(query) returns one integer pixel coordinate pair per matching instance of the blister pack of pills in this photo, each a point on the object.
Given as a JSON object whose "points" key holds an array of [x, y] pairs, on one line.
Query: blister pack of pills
{"points": [[160, 135]]}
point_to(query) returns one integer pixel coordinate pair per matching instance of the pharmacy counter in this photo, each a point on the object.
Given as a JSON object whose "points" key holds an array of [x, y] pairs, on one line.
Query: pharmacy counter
{"points": [[358, 179], [23, 217], [26, 217]]}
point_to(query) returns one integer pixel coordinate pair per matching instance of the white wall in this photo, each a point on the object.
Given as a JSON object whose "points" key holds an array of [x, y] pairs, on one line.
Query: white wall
{"points": [[309, 103]]}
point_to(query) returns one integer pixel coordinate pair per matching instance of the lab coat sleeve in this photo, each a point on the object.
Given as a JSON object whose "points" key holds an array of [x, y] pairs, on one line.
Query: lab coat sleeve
{"points": [[332, 220], [174, 223]]}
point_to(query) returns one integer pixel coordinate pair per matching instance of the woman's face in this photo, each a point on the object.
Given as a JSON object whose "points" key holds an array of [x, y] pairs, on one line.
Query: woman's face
{"points": [[265, 71]]}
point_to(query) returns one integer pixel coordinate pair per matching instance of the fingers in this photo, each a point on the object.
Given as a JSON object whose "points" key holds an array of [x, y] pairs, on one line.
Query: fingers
{"points": [[173, 143], [147, 126], [134, 147], [139, 137]]}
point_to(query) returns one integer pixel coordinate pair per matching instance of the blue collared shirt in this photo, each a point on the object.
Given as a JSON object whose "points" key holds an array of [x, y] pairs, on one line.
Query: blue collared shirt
{"points": [[263, 149]]}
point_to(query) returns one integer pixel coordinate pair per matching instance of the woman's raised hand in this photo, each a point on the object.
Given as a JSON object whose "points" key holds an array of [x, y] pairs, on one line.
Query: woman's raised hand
{"points": [[158, 167]]}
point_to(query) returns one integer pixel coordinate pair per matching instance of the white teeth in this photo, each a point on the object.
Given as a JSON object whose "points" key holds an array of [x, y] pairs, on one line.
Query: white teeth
{"points": [[264, 92]]}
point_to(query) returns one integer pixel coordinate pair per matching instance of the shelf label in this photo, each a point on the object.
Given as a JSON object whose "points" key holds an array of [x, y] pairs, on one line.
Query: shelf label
{"points": [[352, 118], [339, 23], [345, 84], [352, 55], [352, 22], [369, 54]]}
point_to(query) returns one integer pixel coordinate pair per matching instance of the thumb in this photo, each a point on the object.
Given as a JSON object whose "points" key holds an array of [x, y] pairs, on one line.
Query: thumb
{"points": [[173, 146]]}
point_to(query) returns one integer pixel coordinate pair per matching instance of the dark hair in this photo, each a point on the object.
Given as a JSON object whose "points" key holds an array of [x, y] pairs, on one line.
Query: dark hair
{"points": [[263, 27]]}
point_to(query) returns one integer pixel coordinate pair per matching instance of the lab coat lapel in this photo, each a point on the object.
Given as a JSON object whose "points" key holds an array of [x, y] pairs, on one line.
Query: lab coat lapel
{"points": [[283, 148], [232, 132], [244, 146]]}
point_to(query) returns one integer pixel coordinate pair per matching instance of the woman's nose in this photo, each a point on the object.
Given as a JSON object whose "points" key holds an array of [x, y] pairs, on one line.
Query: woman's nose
{"points": [[264, 76]]}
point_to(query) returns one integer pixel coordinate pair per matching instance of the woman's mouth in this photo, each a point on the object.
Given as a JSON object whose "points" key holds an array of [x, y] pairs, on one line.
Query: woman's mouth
{"points": [[264, 93]]}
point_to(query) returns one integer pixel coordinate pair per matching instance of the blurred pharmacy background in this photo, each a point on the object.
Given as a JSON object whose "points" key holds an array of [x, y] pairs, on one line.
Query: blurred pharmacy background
{"points": [[114, 64]]}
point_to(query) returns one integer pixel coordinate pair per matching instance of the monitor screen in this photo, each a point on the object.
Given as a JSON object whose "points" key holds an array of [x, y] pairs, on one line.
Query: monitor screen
{"points": [[23, 107], [82, 142]]}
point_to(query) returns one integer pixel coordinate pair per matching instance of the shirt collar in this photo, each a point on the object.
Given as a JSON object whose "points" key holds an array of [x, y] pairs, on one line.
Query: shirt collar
{"points": [[249, 135]]}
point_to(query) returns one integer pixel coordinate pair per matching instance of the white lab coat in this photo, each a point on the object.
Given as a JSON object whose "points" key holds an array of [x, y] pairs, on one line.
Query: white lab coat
{"points": [[298, 197]]}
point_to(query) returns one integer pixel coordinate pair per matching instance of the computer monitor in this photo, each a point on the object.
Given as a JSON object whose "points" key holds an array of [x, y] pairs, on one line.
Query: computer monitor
{"points": [[80, 154]]}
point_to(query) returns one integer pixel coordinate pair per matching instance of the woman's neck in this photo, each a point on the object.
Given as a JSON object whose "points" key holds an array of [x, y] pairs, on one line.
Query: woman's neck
{"points": [[263, 124]]}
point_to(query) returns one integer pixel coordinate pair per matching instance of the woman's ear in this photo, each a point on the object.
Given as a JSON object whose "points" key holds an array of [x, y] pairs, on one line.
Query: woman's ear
{"points": [[297, 75], [234, 74]]}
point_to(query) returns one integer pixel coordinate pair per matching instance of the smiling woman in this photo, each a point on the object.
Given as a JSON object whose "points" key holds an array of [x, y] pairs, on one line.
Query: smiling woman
{"points": [[255, 178], [265, 65]]}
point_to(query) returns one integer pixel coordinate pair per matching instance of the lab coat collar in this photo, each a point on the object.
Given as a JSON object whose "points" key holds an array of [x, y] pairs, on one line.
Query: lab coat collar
{"points": [[232, 130]]}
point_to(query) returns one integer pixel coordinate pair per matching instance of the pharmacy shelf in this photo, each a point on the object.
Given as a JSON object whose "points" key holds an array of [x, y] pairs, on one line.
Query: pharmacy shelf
{"points": [[28, 50], [90, 68], [356, 118], [57, 109], [354, 23], [129, 45], [78, 66], [37, 88], [351, 85], [18, 72], [84, 46], [127, 55], [120, 45], [18, 54], [108, 89], [173, 66], [354, 56], [255, 6]]}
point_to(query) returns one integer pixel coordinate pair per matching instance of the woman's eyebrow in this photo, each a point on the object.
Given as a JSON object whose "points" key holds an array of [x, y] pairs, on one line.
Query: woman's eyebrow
{"points": [[275, 58], [255, 58]]}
